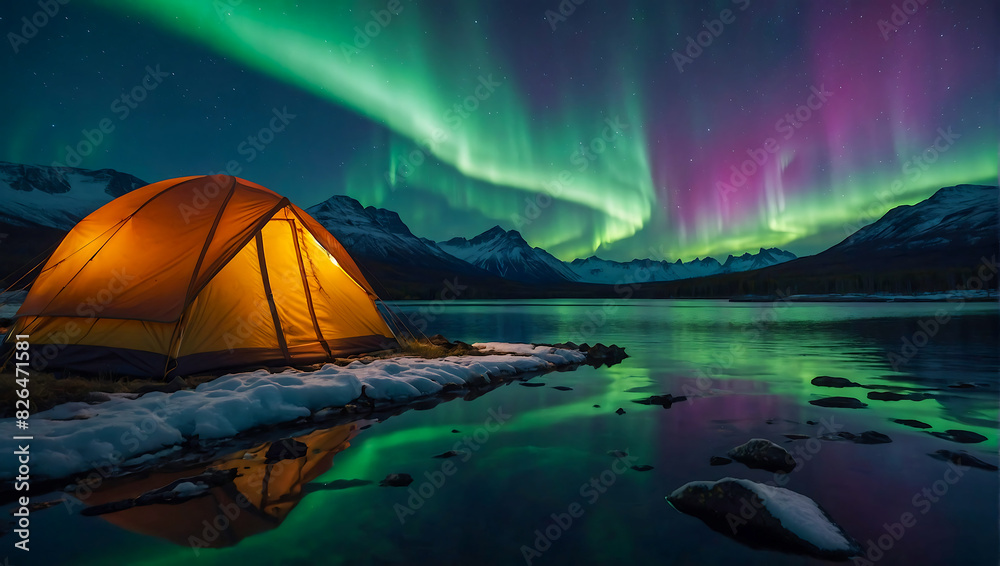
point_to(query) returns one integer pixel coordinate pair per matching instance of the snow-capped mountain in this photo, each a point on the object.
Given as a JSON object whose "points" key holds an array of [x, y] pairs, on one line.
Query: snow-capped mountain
{"points": [[763, 258], [505, 253], [597, 270], [376, 233], [57, 197], [964, 215]]}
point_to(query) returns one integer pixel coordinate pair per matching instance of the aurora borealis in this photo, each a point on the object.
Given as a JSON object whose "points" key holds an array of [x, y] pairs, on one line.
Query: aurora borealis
{"points": [[615, 128]]}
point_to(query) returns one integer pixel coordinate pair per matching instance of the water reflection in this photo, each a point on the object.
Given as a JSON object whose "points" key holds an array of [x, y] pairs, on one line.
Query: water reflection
{"points": [[271, 479]]}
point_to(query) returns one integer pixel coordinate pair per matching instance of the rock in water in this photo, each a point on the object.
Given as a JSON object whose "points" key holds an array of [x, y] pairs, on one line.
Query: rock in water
{"points": [[839, 402], [760, 453], [664, 401], [450, 454], [912, 422], [893, 396], [761, 516], [718, 461], [827, 381], [798, 436], [396, 480], [620, 411], [642, 468], [872, 437], [962, 436], [963, 459]]}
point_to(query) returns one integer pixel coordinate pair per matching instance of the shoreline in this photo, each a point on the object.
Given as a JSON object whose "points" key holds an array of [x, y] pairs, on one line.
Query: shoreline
{"points": [[123, 435]]}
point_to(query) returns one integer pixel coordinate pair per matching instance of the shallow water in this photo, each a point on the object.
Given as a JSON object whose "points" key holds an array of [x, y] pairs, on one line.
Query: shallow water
{"points": [[746, 368]]}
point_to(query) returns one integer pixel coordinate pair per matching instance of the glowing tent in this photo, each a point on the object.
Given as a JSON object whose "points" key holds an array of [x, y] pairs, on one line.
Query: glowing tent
{"points": [[195, 274]]}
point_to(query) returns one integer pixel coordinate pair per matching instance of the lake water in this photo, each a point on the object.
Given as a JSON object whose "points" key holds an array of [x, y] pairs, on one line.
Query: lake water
{"points": [[746, 368]]}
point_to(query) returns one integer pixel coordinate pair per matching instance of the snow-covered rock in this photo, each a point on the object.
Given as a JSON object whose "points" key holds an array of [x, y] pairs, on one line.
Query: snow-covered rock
{"points": [[122, 429], [763, 516]]}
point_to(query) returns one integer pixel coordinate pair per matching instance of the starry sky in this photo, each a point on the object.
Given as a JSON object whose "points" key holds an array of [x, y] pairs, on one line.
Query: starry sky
{"points": [[669, 130]]}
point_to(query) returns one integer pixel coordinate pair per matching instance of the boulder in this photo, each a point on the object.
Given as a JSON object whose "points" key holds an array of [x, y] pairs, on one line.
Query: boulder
{"points": [[893, 396], [761, 516], [872, 437], [961, 436], [760, 453], [396, 480], [664, 401], [911, 422], [963, 459], [839, 402], [827, 381], [450, 454]]}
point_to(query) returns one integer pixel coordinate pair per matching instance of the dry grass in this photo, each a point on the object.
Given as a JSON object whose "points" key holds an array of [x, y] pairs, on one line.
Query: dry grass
{"points": [[46, 391]]}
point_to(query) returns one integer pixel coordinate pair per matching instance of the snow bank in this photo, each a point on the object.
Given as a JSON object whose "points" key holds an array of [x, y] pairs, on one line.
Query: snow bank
{"points": [[121, 429]]}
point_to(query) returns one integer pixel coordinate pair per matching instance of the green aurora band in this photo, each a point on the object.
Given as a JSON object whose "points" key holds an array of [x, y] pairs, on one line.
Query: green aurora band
{"points": [[461, 124]]}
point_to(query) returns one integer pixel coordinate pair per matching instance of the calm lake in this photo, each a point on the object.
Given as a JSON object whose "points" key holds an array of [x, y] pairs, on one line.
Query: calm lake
{"points": [[531, 453]]}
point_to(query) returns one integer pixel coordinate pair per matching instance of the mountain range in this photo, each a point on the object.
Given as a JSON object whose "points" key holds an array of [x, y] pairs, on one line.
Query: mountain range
{"points": [[933, 237]]}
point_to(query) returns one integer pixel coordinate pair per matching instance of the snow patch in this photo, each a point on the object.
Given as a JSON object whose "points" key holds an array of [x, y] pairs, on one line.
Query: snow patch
{"points": [[120, 430]]}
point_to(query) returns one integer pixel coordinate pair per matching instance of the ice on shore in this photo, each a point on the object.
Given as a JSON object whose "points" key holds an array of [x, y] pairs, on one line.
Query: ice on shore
{"points": [[76, 437]]}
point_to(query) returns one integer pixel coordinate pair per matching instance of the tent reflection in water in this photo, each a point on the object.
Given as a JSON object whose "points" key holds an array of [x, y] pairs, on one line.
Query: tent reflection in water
{"points": [[197, 274], [262, 495]]}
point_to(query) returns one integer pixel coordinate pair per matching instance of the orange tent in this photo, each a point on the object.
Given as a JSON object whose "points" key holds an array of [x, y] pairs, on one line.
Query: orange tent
{"points": [[195, 274]]}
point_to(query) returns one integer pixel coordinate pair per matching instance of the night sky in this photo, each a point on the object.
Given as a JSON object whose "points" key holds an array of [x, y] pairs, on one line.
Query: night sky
{"points": [[604, 130]]}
